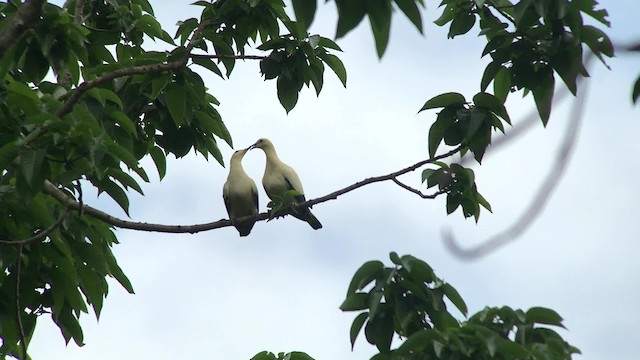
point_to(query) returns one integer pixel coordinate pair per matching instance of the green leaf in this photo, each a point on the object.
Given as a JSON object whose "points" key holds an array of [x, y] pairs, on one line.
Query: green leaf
{"points": [[119, 153], [418, 269], [91, 287], [368, 272], [124, 121], [452, 294], [447, 15], [543, 315], [265, 355], [488, 101], [355, 302], [208, 64], [634, 95], [336, 65], [305, 11], [160, 159], [418, 341], [444, 100], [31, 165], [411, 11], [380, 19], [350, 14], [502, 84], [356, 326], [125, 179], [543, 96], [489, 74], [176, 98], [298, 355], [437, 131], [328, 43], [8, 152], [70, 327], [512, 350], [117, 273], [115, 192], [453, 201], [287, 92], [24, 90], [426, 173], [461, 24]]}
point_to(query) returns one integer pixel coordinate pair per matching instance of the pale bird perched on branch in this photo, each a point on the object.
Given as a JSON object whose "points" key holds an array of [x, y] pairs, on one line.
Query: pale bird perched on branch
{"points": [[240, 194], [279, 178]]}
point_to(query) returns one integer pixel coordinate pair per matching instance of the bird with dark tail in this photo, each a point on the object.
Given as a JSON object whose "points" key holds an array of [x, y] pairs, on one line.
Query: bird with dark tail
{"points": [[240, 194], [279, 178]]}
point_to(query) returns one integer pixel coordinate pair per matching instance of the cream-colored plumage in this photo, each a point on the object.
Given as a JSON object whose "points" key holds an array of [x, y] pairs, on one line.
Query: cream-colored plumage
{"points": [[240, 194], [279, 177]]}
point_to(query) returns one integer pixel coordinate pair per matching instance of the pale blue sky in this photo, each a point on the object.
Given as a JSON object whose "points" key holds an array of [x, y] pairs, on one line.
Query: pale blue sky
{"points": [[214, 295]]}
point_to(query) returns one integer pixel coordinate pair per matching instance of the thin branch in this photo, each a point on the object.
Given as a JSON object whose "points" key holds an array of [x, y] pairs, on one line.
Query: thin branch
{"points": [[134, 70], [23, 338], [418, 192], [72, 204], [40, 234], [222, 56], [542, 197], [502, 12], [372, 180], [25, 18]]}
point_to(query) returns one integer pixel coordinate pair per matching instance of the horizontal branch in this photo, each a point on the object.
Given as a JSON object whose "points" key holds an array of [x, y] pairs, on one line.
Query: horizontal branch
{"points": [[71, 203], [134, 70]]}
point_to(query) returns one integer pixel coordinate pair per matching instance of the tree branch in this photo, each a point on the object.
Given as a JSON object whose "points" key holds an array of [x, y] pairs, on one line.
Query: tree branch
{"points": [[502, 12], [40, 234], [372, 180], [542, 197], [416, 191], [24, 19], [72, 204], [134, 70]]}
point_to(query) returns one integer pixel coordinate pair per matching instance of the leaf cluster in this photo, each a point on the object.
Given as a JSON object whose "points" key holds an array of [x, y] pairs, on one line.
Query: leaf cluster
{"points": [[82, 102], [531, 41], [408, 300]]}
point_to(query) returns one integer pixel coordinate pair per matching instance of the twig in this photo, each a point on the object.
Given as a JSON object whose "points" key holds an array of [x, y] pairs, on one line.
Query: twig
{"points": [[371, 180], [23, 338], [541, 198], [24, 19], [72, 204], [40, 234], [416, 191], [502, 12]]}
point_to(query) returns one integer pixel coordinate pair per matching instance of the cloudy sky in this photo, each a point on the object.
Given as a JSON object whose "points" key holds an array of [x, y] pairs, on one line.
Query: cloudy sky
{"points": [[215, 295]]}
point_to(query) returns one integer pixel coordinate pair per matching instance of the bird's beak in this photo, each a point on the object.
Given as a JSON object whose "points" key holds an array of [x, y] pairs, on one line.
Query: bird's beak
{"points": [[251, 147]]}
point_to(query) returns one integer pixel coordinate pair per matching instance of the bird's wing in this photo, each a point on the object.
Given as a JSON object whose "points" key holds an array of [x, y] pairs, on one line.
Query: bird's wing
{"points": [[299, 198], [227, 201], [254, 193]]}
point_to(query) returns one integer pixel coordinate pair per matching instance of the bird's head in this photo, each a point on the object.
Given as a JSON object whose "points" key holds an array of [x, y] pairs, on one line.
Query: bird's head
{"points": [[239, 154], [262, 143]]}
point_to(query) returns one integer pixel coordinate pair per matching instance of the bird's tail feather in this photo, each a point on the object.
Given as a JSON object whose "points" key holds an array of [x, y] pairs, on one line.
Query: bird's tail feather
{"points": [[305, 214]]}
